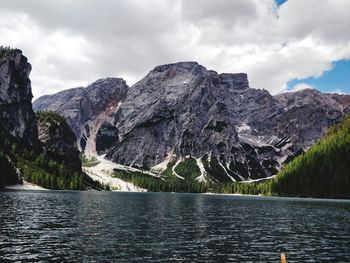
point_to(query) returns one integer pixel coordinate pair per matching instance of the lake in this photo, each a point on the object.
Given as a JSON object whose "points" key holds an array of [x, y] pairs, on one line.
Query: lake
{"points": [[74, 226]]}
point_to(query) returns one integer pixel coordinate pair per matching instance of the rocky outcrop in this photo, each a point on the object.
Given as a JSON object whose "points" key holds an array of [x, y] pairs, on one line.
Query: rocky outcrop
{"points": [[187, 110], [183, 110], [58, 140], [85, 109], [16, 113], [17, 119], [19, 138]]}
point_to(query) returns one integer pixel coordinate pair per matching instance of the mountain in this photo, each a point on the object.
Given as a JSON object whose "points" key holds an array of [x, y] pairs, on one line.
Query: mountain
{"points": [[322, 171], [40, 150], [182, 117], [58, 139], [16, 113], [85, 108]]}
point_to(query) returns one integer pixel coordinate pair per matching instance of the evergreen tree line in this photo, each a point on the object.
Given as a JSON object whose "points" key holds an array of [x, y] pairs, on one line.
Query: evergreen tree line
{"points": [[188, 169], [39, 169], [154, 184], [323, 171], [8, 173]]}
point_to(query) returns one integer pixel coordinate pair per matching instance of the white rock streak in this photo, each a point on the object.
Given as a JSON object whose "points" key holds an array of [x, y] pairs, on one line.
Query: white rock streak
{"points": [[202, 177], [173, 169], [223, 167], [103, 174], [163, 165], [25, 186]]}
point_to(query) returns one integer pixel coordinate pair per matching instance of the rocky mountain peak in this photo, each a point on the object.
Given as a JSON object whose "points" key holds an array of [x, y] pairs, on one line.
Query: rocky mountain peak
{"points": [[179, 66], [16, 112], [182, 110], [85, 109]]}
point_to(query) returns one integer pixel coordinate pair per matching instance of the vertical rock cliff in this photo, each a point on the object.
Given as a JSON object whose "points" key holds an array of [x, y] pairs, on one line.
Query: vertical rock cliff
{"points": [[18, 122], [16, 113]]}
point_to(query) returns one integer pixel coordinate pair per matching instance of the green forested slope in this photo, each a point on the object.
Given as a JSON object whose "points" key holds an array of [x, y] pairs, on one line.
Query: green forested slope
{"points": [[323, 171]]}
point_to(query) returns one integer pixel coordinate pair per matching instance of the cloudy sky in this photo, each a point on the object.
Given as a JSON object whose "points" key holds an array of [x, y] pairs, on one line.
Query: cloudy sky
{"points": [[281, 45]]}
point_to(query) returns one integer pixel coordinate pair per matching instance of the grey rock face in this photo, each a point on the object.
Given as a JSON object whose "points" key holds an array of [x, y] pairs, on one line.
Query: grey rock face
{"points": [[184, 109], [233, 131], [59, 142], [17, 119], [85, 109], [307, 114], [16, 112]]}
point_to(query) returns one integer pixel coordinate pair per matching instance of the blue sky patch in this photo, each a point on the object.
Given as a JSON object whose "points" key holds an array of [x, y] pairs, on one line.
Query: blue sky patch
{"points": [[335, 80], [280, 2]]}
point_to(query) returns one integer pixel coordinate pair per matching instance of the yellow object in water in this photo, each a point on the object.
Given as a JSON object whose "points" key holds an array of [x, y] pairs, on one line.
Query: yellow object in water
{"points": [[283, 258]]}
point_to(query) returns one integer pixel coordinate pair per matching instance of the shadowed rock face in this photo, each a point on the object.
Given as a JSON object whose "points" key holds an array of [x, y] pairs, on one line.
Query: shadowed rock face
{"points": [[182, 109], [16, 112], [106, 137], [59, 143]]}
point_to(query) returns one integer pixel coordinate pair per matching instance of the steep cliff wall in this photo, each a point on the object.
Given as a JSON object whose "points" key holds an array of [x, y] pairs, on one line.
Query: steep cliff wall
{"points": [[16, 113]]}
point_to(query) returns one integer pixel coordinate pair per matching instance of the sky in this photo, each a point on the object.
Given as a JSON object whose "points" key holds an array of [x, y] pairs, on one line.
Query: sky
{"points": [[281, 45]]}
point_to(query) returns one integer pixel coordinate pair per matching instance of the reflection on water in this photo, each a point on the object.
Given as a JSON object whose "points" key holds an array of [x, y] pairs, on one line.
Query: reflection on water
{"points": [[163, 227]]}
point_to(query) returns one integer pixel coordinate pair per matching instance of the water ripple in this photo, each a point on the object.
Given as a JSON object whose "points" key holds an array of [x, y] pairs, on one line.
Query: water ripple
{"points": [[148, 227]]}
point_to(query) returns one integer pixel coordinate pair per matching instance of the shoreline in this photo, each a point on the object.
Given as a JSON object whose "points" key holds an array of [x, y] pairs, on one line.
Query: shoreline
{"points": [[25, 186]]}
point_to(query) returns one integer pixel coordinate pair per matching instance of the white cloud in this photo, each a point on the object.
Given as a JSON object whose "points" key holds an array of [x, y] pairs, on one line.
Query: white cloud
{"points": [[72, 43], [339, 91], [301, 86]]}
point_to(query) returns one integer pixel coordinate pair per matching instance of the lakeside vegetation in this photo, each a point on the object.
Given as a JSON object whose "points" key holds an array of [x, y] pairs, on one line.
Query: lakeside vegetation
{"points": [[154, 184], [48, 173], [322, 171], [35, 167]]}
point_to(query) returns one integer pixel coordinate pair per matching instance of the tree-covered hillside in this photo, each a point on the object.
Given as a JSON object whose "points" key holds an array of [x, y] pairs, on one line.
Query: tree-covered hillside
{"points": [[18, 162], [323, 171]]}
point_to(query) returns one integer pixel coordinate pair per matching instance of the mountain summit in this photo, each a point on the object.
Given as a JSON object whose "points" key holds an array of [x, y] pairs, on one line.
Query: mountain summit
{"points": [[182, 114]]}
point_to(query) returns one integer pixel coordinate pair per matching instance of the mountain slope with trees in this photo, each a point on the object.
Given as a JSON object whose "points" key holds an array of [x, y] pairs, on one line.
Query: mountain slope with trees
{"points": [[51, 159], [322, 171]]}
